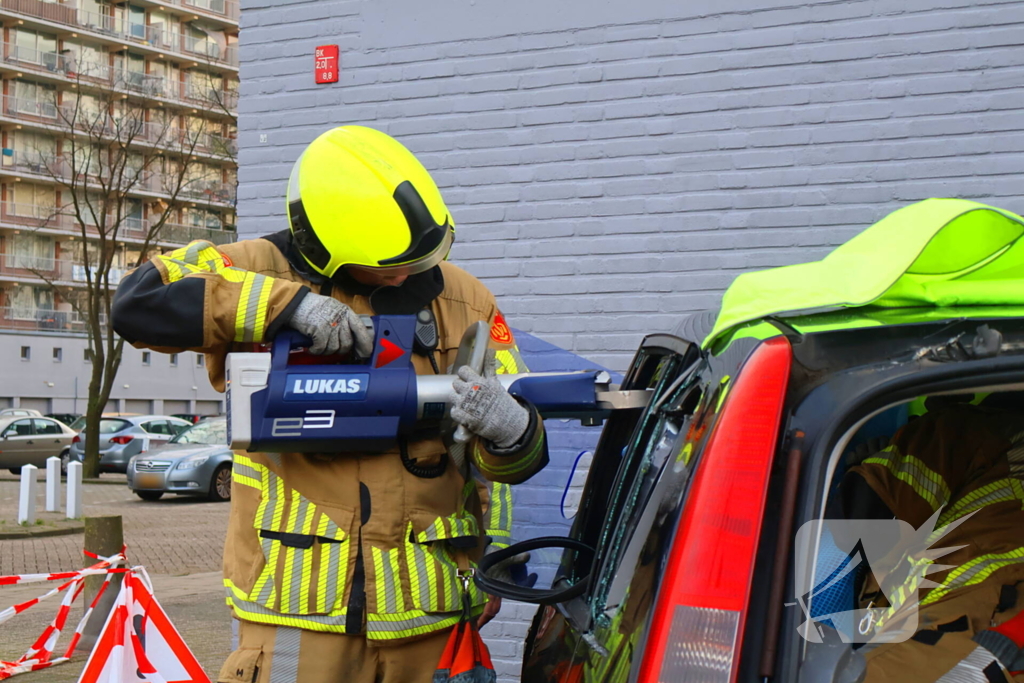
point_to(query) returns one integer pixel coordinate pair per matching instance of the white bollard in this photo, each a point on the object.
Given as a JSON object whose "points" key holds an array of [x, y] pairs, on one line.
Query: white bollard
{"points": [[53, 484], [27, 500], [74, 507]]}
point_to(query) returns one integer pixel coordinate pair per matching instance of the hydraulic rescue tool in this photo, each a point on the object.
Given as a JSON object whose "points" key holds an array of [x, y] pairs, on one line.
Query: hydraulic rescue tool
{"points": [[278, 404]]}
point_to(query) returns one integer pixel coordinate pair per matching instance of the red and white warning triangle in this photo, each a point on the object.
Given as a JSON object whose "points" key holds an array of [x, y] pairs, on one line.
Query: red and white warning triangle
{"points": [[139, 644]]}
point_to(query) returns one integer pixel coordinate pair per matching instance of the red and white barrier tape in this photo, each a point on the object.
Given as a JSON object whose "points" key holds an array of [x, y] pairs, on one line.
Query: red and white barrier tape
{"points": [[39, 655]]}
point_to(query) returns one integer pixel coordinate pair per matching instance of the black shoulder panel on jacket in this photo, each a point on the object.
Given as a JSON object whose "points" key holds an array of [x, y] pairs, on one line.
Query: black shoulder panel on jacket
{"points": [[148, 311]]}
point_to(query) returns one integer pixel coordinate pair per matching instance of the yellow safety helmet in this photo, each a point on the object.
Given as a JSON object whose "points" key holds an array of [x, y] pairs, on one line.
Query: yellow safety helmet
{"points": [[358, 198]]}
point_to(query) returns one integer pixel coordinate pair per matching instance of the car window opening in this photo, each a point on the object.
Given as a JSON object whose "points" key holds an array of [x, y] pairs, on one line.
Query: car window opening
{"points": [[918, 556]]}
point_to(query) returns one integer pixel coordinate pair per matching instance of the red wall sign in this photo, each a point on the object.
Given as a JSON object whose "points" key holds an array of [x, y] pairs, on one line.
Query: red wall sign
{"points": [[326, 67]]}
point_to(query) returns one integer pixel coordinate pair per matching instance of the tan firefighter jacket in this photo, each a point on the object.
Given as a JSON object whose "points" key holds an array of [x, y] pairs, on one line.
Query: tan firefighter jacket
{"points": [[963, 462], [342, 543]]}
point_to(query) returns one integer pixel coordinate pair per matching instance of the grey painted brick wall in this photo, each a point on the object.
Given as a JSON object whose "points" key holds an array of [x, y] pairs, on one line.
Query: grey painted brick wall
{"points": [[613, 165]]}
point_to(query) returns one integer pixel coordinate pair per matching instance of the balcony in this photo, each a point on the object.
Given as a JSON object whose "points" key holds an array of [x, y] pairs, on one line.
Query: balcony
{"points": [[66, 68], [183, 234], [30, 319], [219, 10], [31, 109], [209, 191], [133, 181], [52, 270], [122, 30], [136, 229], [157, 37]]}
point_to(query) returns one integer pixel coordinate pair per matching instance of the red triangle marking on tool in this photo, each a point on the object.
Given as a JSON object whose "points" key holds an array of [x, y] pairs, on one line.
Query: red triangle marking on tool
{"points": [[389, 352], [159, 653]]}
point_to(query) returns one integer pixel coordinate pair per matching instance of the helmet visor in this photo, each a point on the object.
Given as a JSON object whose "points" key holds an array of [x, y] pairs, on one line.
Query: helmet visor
{"points": [[419, 266]]}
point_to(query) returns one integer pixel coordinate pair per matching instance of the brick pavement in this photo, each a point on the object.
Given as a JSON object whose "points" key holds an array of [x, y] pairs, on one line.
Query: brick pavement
{"points": [[175, 535]]}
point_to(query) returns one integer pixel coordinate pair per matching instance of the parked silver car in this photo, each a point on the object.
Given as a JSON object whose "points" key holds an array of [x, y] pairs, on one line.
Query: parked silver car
{"points": [[196, 462], [20, 412], [31, 440], [123, 437]]}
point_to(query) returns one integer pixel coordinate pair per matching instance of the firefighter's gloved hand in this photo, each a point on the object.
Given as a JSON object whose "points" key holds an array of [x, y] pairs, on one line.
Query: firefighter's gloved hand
{"points": [[483, 407], [867, 449], [334, 327], [506, 571]]}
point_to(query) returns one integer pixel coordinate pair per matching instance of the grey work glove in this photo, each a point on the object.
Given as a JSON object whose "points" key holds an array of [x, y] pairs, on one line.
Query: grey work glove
{"points": [[484, 408], [503, 571], [334, 327]]}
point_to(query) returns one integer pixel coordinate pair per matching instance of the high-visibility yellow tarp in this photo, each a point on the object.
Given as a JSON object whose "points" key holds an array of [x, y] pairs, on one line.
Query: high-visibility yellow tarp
{"points": [[935, 253]]}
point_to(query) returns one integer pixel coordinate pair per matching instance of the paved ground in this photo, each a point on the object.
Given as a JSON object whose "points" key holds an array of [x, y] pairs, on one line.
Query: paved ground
{"points": [[172, 537]]}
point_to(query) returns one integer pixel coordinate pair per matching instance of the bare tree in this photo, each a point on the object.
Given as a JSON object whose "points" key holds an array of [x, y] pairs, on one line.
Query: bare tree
{"points": [[110, 156]]}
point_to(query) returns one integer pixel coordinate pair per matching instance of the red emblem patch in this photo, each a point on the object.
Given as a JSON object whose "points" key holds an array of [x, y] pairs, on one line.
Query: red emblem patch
{"points": [[500, 331], [227, 259]]}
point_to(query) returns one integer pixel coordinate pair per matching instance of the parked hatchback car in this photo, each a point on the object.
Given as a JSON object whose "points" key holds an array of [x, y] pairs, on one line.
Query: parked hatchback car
{"points": [[79, 423], [197, 462], [31, 440], [123, 437], [681, 562]]}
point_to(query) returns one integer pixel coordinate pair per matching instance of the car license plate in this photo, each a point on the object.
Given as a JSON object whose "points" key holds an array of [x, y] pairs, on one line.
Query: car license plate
{"points": [[148, 480]]}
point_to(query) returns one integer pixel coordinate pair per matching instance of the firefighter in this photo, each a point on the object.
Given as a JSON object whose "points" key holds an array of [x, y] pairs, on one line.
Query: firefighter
{"points": [[955, 469], [345, 568]]}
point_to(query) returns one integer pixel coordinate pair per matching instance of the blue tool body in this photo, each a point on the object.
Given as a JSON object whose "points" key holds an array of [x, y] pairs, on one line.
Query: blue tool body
{"points": [[560, 396], [367, 407], [338, 407]]}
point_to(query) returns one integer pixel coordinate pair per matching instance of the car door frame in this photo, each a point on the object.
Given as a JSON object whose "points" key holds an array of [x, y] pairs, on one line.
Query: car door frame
{"points": [[61, 440]]}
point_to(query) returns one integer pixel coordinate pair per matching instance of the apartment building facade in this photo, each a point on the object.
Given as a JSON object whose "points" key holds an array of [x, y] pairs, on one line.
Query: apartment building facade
{"points": [[137, 100]]}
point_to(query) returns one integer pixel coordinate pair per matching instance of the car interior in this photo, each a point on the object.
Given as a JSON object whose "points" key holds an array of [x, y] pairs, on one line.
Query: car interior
{"points": [[918, 551]]}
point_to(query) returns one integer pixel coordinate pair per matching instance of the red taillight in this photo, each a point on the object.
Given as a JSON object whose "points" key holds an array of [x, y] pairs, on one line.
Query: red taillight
{"points": [[698, 619], [77, 439], [120, 439]]}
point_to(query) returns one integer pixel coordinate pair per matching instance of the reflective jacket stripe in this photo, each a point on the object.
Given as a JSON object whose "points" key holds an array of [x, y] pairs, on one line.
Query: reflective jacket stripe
{"points": [[254, 300], [974, 572], [499, 515], [997, 492], [976, 667], [528, 462], [509, 362], [910, 470], [251, 315]]}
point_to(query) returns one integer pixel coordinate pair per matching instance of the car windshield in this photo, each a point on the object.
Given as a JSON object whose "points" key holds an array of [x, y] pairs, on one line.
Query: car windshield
{"points": [[210, 432]]}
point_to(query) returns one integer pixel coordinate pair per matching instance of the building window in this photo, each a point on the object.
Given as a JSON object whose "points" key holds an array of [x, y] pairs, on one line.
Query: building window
{"points": [[200, 360], [58, 354], [35, 99], [146, 357], [38, 48], [174, 360], [26, 353], [87, 355], [32, 303]]}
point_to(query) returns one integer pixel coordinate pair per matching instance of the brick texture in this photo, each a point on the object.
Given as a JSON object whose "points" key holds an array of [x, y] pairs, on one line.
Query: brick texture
{"points": [[613, 166]]}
